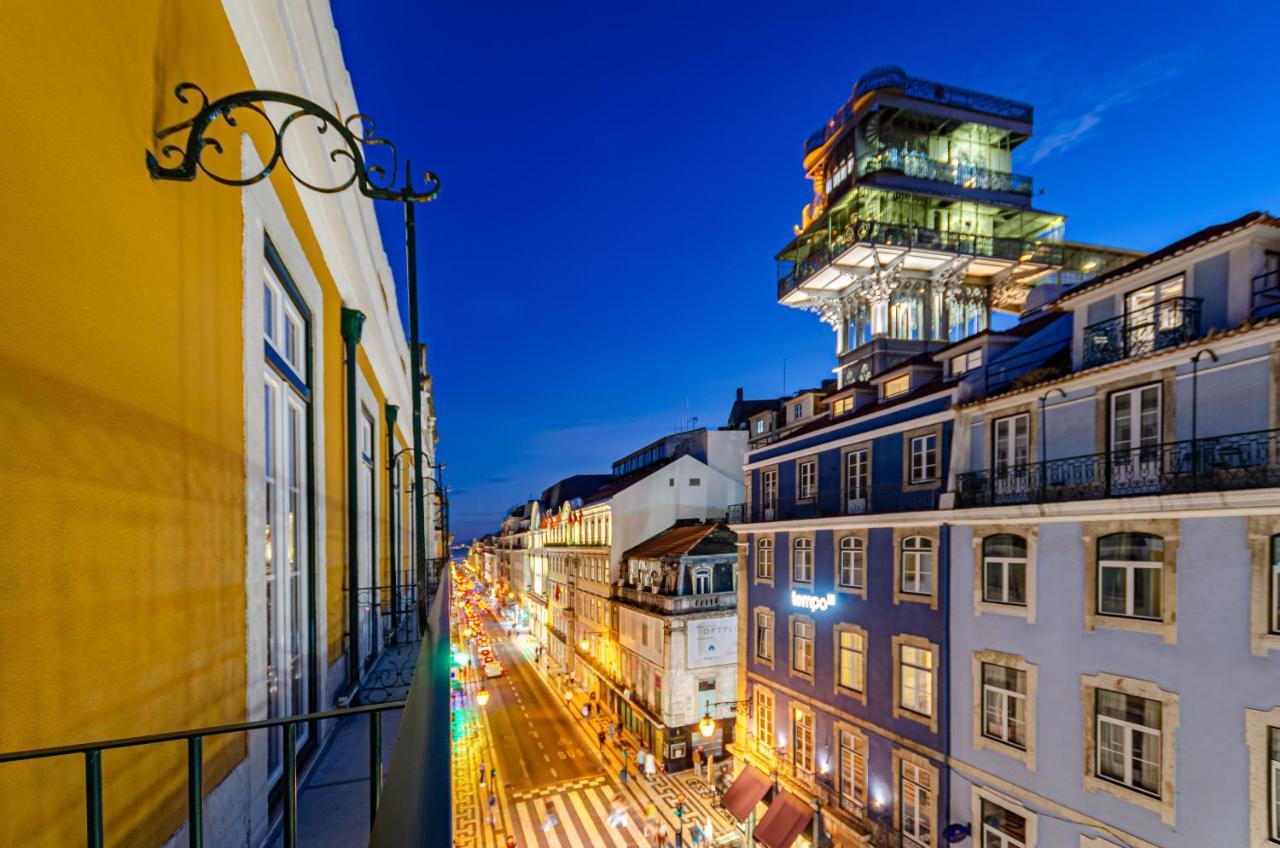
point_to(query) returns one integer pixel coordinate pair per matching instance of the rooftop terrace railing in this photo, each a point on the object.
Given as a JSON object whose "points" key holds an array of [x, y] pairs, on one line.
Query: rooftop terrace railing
{"points": [[1168, 323], [913, 163], [1238, 461], [792, 273]]}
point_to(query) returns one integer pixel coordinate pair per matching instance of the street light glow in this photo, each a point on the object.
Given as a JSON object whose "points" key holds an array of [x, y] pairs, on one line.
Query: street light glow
{"points": [[707, 727], [482, 697]]}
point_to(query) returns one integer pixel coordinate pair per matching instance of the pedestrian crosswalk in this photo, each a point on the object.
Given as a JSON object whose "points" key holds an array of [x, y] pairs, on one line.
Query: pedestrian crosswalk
{"points": [[581, 821]]}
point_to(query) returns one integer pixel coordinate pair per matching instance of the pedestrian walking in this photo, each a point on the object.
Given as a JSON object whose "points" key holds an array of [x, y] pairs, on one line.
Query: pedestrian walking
{"points": [[549, 823], [482, 772], [601, 737], [493, 777], [613, 730], [493, 811], [697, 761], [650, 766], [586, 710], [622, 773], [618, 812], [695, 834], [640, 752], [664, 836]]}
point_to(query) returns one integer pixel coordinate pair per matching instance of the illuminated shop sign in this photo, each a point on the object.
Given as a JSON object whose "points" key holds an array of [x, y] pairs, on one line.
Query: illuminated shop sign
{"points": [[813, 603]]}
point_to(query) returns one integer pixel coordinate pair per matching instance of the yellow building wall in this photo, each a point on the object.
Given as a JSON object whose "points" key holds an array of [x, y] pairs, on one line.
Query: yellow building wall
{"points": [[122, 599]]}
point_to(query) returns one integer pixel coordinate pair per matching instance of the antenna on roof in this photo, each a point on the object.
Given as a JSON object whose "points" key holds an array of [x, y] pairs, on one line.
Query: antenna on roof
{"points": [[784, 376]]}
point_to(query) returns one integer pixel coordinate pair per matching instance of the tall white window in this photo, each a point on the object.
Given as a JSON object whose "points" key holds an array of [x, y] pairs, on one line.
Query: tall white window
{"points": [[1151, 310], [366, 594], [915, 669], [1012, 448], [851, 660], [1128, 740], [1273, 777], [856, 481], [802, 645], [924, 458], [1130, 569], [764, 559], [1004, 569], [802, 736], [769, 491], [764, 720], [806, 478], [1135, 439], [917, 565], [702, 581], [802, 561], [853, 772], [285, 399], [1004, 704], [853, 563], [764, 635], [1002, 828], [917, 805], [1274, 617]]}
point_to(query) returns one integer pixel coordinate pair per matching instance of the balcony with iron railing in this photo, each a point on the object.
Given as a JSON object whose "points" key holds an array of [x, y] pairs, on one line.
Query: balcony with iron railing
{"points": [[878, 499], [1219, 463], [1265, 301], [1138, 332], [792, 273], [968, 175]]}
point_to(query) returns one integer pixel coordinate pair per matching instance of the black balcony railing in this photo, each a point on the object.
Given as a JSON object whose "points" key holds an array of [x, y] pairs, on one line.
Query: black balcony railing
{"points": [[1239, 461], [1140, 331], [1266, 295], [1038, 251], [875, 500]]}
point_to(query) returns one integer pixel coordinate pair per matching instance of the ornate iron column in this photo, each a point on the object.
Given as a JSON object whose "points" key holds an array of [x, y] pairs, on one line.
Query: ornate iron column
{"points": [[352, 326], [351, 138]]}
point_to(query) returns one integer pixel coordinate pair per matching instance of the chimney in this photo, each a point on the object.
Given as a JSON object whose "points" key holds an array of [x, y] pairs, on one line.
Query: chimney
{"points": [[739, 393]]}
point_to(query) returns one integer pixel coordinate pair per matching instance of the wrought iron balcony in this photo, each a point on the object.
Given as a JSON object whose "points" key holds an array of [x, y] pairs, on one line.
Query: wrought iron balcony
{"points": [[1266, 295], [913, 163], [792, 273], [1140, 331], [876, 500], [1239, 461]]}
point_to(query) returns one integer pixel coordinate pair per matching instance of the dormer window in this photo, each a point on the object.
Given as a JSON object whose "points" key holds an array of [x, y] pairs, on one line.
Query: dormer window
{"points": [[897, 386], [797, 411], [759, 425], [842, 406], [964, 362]]}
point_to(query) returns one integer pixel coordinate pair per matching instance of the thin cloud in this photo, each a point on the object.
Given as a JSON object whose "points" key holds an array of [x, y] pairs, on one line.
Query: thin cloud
{"points": [[1146, 80]]}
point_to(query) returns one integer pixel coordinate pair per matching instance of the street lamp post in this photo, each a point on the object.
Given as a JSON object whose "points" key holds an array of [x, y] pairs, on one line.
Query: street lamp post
{"points": [[349, 137]]}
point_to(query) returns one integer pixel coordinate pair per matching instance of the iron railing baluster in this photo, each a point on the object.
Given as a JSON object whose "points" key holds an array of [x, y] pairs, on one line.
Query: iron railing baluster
{"points": [[375, 765], [93, 796], [195, 792], [289, 785]]}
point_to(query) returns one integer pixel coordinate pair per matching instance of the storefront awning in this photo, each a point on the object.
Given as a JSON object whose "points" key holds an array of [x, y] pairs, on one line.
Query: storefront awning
{"points": [[749, 787], [786, 818]]}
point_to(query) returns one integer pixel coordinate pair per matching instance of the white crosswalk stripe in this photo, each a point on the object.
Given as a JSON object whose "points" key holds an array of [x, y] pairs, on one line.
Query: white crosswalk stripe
{"points": [[582, 817]]}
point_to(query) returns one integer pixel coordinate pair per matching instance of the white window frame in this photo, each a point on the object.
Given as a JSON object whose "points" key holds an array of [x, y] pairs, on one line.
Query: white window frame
{"points": [[802, 566], [897, 386], [1273, 784], [918, 552], [802, 645], [858, 652], [993, 838], [764, 707], [852, 754], [1128, 730], [1002, 699], [857, 480], [852, 569], [764, 564], [917, 678], [769, 489], [764, 635], [806, 479], [702, 581], [1130, 569], [1003, 563], [1274, 607], [1011, 444], [802, 729], [917, 804], [924, 458]]}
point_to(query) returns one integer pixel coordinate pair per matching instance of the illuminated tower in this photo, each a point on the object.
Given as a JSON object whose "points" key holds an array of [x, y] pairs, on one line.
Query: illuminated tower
{"points": [[919, 234]]}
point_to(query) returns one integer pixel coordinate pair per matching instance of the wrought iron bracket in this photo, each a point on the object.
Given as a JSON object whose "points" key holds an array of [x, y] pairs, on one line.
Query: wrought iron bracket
{"points": [[351, 136]]}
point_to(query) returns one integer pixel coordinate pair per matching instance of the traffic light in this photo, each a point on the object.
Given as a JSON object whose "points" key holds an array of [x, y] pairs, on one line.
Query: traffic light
{"points": [[680, 805], [511, 841]]}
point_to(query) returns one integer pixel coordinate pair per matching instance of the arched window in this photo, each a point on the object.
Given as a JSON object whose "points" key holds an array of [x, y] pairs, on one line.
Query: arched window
{"points": [[802, 561], [702, 581], [853, 563], [764, 559], [1274, 609], [917, 565], [1130, 575], [1004, 569]]}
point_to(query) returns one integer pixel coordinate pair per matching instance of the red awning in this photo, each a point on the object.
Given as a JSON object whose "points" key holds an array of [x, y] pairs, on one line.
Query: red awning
{"points": [[786, 818], [748, 788]]}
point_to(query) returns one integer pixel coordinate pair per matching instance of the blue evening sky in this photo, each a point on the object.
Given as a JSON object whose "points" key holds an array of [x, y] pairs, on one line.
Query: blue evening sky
{"points": [[618, 177]]}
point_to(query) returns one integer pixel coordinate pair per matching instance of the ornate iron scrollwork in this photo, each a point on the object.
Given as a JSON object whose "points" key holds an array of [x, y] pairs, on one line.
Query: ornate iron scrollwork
{"points": [[351, 138]]}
